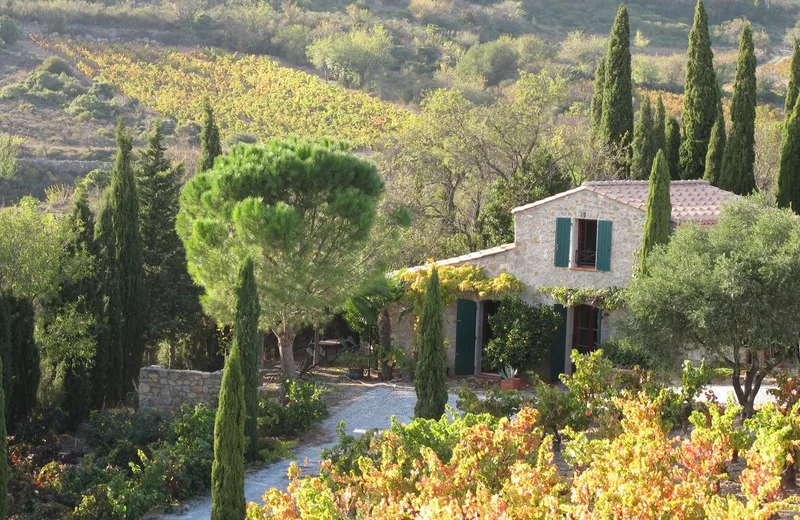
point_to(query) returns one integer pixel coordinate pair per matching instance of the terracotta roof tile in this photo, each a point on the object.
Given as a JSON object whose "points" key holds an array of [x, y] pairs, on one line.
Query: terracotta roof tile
{"points": [[695, 201]]}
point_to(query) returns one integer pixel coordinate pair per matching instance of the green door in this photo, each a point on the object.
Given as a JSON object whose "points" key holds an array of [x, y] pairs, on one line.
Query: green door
{"points": [[558, 351], [466, 312]]}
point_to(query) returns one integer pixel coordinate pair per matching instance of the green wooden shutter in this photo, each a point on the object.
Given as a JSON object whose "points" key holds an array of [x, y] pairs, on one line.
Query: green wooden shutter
{"points": [[563, 228], [603, 245]]}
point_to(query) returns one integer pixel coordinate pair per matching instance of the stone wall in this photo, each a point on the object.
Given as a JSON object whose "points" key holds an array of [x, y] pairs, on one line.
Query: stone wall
{"points": [[165, 389]]}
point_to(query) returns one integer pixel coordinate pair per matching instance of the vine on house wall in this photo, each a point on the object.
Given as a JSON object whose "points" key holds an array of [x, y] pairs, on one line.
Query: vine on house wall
{"points": [[609, 298], [463, 280]]}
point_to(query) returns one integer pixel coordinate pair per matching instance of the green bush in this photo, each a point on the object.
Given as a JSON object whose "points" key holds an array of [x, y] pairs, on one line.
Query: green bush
{"points": [[107, 431], [523, 334], [9, 32], [627, 355], [55, 65], [304, 407], [97, 102], [493, 61], [496, 403]]}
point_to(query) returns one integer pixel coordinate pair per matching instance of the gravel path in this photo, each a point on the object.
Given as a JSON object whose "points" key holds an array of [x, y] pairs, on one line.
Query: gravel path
{"points": [[373, 409]]}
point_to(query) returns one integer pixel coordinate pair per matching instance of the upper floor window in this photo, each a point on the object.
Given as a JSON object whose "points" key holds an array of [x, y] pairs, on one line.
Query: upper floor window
{"points": [[586, 247], [583, 243]]}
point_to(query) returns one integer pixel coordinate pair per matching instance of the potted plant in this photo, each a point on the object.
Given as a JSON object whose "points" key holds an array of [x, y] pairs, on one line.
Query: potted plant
{"points": [[509, 380]]}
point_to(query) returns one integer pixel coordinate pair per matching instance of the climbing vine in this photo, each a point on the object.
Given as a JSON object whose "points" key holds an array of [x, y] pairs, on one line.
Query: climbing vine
{"points": [[455, 281], [609, 298]]}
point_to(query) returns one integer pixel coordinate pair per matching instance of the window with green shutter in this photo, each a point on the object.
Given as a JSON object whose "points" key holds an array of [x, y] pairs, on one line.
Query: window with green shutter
{"points": [[563, 227], [603, 245]]}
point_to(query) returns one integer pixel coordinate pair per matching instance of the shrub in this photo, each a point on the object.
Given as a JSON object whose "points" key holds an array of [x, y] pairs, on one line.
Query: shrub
{"points": [[188, 452], [627, 355], [56, 66], [108, 430], [493, 61], [97, 102], [304, 407], [522, 334], [9, 32], [496, 403]]}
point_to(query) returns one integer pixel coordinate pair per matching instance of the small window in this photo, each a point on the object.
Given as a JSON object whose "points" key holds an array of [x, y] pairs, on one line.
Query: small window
{"points": [[586, 252]]}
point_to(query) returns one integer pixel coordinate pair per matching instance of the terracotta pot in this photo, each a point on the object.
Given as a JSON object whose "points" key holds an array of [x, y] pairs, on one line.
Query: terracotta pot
{"points": [[507, 385]]}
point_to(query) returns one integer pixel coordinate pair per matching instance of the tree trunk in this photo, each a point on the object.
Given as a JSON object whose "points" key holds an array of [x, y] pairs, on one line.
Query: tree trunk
{"points": [[286, 345], [385, 340], [315, 359], [789, 474]]}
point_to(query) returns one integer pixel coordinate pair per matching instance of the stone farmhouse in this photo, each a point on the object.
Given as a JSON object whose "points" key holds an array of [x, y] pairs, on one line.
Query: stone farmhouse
{"points": [[584, 238]]}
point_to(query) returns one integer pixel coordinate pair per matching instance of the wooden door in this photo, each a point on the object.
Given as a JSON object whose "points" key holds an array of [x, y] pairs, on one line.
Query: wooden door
{"points": [[466, 319]]}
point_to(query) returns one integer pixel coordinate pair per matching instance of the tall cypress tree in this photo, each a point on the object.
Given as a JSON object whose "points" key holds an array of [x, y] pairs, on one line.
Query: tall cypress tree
{"points": [[659, 127], [78, 292], [431, 364], [658, 208], [24, 358], [121, 254], [227, 471], [245, 334], [789, 171], [107, 370], [672, 139], [174, 304], [716, 149], [597, 97], [3, 456], [738, 162], [616, 124], [793, 88], [700, 99], [643, 142], [210, 146]]}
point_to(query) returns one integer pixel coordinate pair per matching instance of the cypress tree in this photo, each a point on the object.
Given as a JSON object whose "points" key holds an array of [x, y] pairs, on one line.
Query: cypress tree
{"points": [[658, 208], [700, 99], [659, 127], [716, 149], [5, 351], [672, 138], [174, 300], [789, 170], [643, 142], [597, 97], [125, 222], [431, 364], [3, 456], [616, 125], [210, 146], [245, 334], [227, 471], [107, 369], [738, 162], [80, 291], [794, 80], [24, 359]]}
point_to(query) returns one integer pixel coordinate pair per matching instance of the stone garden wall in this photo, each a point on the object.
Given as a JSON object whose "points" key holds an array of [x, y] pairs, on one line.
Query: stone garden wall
{"points": [[166, 389]]}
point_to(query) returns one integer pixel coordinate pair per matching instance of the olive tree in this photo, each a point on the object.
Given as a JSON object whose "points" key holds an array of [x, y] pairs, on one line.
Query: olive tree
{"points": [[731, 290], [302, 210]]}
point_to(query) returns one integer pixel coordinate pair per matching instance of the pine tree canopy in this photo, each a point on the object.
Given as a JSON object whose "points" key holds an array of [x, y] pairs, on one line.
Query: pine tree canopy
{"points": [[616, 125], [658, 208], [700, 100], [789, 171], [429, 381], [738, 162]]}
